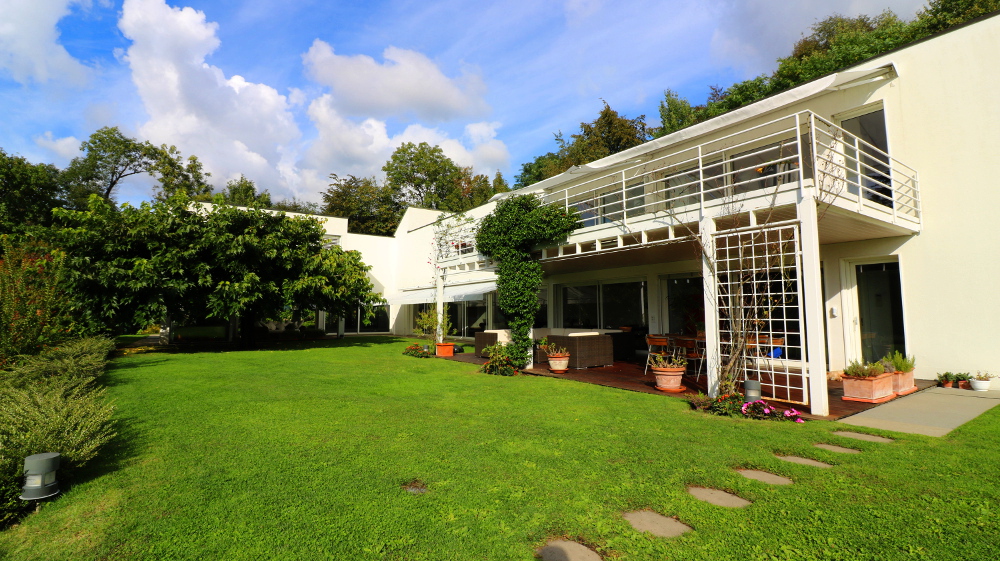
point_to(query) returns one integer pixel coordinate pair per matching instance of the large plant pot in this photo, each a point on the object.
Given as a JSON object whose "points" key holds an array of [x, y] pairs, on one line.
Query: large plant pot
{"points": [[445, 349], [559, 363], [902, 383], [980, 385], [963, 385], [869, 390], [669, 379]]}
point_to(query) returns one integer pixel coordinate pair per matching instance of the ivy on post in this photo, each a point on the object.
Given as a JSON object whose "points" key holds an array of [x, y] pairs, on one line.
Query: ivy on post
{"points": [[518, 225]]}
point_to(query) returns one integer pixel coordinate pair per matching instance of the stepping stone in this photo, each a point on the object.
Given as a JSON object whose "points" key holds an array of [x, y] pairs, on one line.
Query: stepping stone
{"points": [[415, 487], [655, 523], [764, 476], [563, 550], [862, 436], [804, 461], [838, 449], [719, 498]]}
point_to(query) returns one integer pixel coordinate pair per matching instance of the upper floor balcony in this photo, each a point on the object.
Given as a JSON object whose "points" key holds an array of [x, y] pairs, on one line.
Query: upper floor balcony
{"points": [[663, 194]]}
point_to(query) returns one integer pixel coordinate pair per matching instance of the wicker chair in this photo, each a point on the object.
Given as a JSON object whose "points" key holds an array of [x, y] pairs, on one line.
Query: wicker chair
{"points": [[484, 340], [587, 350]]}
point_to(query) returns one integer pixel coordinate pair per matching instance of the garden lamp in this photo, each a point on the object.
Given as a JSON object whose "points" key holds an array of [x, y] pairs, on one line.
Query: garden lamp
{"points": [[40, 476], [751, 390]]}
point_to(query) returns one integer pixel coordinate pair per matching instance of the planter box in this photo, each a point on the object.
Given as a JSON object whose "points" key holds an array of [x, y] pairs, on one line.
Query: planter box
{"points": [[869, 390], [445, 349], [902, 383]]}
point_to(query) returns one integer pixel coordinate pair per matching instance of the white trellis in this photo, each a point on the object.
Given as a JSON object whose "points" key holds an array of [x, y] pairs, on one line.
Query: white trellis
{"points": [[762, 333]]}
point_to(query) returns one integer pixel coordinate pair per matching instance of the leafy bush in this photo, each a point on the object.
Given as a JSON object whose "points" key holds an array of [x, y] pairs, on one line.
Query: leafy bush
{"points": [[34, 310], [417, 351], [902, 363], [80, 359], [501, 363]]}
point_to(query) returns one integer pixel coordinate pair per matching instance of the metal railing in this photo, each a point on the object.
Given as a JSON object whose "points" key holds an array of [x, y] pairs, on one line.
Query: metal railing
{"points": [[751, 163]]}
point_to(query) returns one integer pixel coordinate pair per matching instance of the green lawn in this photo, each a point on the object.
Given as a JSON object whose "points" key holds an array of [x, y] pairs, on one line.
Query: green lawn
{"points": [[301, 452]]}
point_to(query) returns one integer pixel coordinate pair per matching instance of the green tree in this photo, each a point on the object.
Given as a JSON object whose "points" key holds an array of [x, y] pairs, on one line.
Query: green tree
{"points": [[243, 192], [28, 193], [942, 14], [130, 267], [676, 113], [370, 208], [608, 134], [421, 175], [295, 205], [109, 157], [177, 174]]}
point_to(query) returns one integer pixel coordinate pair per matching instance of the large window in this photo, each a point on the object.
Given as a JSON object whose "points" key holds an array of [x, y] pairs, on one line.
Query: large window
{"points": [[354, 321], [605, 305], [868, 156]]}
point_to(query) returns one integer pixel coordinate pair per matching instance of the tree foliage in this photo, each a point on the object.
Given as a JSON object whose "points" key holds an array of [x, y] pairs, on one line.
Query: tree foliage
{"points": [[421, 175], [516, 227], [28, 193], [835, 42], [370, 207], [243, 192], [130, 267], [109, 157], [608, 134], [177, 174]]}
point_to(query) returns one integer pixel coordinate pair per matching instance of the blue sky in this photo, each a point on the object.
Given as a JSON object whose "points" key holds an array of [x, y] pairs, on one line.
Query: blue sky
{"points": [[289, 91]]}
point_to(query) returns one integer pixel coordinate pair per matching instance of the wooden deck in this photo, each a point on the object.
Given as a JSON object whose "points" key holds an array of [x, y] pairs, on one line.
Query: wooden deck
{"points": [[629, 376]]}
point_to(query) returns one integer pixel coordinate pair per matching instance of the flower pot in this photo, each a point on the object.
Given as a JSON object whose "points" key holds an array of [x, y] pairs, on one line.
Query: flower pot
{"points": [[964, 385], [980, 385], [669, 379], [559, 363], [947, 384], [877, 389], [445, 349], [902, 383]]}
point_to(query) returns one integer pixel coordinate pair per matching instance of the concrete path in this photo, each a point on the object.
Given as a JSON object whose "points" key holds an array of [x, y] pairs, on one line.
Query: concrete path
{"points": [[933, 412]]}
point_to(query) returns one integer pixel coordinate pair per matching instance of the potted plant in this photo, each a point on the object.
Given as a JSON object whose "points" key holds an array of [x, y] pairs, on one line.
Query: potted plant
{"points": [[558, 356], [981, 381], [962, 381], [868, 383], [946, 380], [428, 324], [902, 380], [669, 371]]}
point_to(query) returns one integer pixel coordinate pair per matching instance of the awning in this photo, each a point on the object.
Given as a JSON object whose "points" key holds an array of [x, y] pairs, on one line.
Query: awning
{"points": [[453, 293]]}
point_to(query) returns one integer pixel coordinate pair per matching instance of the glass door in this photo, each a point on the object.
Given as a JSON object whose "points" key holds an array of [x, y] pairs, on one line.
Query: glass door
{"points": [[880, 310]]}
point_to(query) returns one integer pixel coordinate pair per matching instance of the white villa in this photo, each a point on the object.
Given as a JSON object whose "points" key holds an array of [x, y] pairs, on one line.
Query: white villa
{"points": [[860, 205]]}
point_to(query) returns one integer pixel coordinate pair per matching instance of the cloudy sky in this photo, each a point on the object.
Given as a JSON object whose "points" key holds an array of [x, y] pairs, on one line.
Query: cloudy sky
{"points": [[288, 91]]}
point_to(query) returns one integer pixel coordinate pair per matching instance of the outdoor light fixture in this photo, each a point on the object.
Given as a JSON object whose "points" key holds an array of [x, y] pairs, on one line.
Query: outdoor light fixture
{"points": [[751, 390], [40, 476]]}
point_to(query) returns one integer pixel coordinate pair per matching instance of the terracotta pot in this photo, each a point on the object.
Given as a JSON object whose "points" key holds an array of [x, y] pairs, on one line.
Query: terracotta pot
{"points": [[559, 363], [947, 384], [964, 385], [902, 383], [669, 379], [445, 349], [877, 389]]}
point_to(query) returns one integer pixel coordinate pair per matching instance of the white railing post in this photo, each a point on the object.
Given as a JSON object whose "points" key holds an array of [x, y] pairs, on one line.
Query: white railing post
{"points": [[701, 184], [798, 150], [624, 202]]}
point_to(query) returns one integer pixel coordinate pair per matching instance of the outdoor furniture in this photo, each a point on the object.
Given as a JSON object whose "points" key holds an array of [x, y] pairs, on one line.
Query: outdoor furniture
{"points": [[662, 342], [586, 350], [484, 339]]}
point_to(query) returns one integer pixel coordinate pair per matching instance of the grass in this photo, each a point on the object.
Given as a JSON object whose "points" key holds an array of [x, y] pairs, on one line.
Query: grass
{"points": [[303, 451]]}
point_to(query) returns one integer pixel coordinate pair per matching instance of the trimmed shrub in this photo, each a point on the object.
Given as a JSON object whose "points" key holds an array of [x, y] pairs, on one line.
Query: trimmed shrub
{"points": [[81, 359]]}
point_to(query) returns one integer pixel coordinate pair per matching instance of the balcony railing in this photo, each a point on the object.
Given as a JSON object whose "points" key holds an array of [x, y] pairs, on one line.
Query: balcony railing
{"points": [[747, 164], [744, 170]]}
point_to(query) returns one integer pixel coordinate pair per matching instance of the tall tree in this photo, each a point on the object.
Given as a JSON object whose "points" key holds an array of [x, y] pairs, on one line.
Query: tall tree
{"points": [[28, 193], [421, 175], [676, 113], [243, 192], [177, 174], [109, 157], [295, 205], [370, 208]]}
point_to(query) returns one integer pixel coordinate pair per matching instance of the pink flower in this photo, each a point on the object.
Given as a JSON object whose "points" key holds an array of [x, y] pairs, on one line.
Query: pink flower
{"points": [[799, 421]]}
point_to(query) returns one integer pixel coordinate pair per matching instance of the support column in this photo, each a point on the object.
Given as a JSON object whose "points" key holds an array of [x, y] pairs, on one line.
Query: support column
{"points": [[341, 322], [706, 230], [321, 320], [812, 306]]}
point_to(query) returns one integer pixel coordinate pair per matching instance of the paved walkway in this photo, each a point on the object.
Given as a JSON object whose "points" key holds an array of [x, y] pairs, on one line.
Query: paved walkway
{"points": [[933, 412]]}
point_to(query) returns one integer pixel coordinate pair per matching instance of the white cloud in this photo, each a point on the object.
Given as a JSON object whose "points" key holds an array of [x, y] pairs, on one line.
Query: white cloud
{"points": [[29, 42], [752, 34], [406, 83], [66, 148], [232, 125]]}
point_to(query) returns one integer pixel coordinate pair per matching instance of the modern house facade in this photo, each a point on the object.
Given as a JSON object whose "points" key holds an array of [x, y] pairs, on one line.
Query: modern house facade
{"points": [[847, 218]]}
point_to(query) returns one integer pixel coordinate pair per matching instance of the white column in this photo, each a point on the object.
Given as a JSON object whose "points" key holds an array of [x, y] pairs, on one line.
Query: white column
{"points": [[439, 303], [321, 320], [812, 306], [341, 324], [712, 361]]}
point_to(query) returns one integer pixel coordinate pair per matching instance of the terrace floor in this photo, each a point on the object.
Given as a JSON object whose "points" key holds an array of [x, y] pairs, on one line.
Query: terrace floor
{"points": [[629, 376]]}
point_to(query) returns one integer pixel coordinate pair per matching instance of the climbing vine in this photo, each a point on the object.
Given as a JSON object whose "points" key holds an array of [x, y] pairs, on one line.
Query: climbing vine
{"points": [[518, 225]]}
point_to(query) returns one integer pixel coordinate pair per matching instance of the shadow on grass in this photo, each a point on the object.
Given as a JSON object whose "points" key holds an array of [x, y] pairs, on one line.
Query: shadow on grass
{"points": [[114, 455]]}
